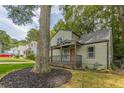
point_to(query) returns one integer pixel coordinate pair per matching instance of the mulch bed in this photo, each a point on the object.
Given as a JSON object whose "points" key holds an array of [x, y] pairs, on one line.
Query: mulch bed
{"points": [[27, 79]]}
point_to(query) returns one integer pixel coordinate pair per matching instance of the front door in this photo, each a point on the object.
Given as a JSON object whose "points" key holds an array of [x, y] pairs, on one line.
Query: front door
{"points": [[72, 56]]}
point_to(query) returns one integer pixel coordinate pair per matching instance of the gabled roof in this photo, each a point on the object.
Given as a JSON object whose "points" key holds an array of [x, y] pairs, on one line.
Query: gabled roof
{"points": [[96, 36], [68, 31]]}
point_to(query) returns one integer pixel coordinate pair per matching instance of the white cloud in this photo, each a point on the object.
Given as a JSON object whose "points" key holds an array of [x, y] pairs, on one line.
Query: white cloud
{"points": [[20, 32], [15, 31], [55, 9]]}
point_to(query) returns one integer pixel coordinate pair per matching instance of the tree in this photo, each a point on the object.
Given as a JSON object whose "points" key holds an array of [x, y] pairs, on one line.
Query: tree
{"points": [[52, 33], [22, 15], [42, 59], [121, 17], [60, 25], [22, 42], [14, 43], [5, 39], [32, 35], [8, 42], [83, 19]]}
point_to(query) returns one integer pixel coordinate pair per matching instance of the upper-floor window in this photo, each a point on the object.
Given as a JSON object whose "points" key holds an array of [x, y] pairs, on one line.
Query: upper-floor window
{"points": [[59, 40], [91, 52]]}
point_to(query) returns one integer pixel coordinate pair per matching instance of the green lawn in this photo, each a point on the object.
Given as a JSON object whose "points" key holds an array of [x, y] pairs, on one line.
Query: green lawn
{"points": [[90, 79], [14, 60], [6, 68]]}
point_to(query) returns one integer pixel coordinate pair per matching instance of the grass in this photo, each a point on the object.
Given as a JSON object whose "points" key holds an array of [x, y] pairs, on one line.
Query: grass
{"points": [[90, 79], [6, 68], [80, 79], [14, 60]]}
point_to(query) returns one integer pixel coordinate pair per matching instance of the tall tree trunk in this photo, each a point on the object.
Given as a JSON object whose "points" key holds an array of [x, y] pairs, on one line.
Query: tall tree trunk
{"points": [[121, 18], [42, 59]]}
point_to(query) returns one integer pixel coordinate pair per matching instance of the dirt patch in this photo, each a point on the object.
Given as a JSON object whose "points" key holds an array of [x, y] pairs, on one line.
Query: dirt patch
{"points": [[119, 72], [27, 79]]}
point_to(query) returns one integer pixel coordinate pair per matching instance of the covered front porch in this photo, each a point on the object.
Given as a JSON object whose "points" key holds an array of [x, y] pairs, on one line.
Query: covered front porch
{"points": [[67, 56]]}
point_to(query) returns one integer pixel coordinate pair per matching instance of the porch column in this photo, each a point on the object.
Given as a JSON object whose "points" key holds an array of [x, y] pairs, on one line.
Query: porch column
{"points": [[61, 54], [75, 48]]}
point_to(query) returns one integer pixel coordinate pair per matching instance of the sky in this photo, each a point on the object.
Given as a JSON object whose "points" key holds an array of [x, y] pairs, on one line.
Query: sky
{"points": [[20, 32]]}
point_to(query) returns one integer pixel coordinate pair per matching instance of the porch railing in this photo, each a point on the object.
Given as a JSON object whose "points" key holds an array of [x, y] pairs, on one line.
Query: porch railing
{"points": [[67, 60]]}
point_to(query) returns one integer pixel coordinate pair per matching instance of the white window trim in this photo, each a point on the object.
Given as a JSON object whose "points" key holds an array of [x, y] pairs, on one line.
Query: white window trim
{"points": [[91, 52]]}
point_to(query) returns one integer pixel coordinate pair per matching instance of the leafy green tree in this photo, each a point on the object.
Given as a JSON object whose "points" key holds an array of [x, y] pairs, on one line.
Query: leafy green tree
{"points": [[32, 35], [22, 15], [121, 18], [60, 25], [85, 19], [14, 43], [52, 33], [22, 42], [121, 21], [5, 39]]}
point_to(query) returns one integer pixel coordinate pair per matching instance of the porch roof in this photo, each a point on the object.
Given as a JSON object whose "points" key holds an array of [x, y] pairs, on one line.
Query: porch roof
{"points": [[66, 43]]}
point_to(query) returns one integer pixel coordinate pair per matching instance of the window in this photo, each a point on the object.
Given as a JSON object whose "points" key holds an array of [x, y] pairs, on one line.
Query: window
{"points": [[59, 40], [91, 52]]}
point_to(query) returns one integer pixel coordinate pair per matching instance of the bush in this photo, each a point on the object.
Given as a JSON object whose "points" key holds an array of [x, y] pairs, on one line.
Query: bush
{"points": [[30, 56], [114, 67], [122, 66], [17, 56]]}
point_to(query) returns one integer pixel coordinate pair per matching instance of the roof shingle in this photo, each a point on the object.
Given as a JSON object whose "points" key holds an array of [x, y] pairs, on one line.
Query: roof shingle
{"points": [[96, 36]]}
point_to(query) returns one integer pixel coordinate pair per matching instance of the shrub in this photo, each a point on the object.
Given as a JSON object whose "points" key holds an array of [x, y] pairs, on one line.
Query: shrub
{"points": [[122, 66], [17, 56], [114, 67], [86, 68], [30, 56]]}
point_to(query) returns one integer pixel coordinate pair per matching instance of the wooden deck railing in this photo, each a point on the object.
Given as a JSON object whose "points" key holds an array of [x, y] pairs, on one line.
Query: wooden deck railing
{"points": [[65, 60]]}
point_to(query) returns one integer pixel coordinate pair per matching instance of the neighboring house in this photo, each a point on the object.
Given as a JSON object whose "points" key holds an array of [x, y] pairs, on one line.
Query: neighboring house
{"points": [[33, 47], [20, 51], [93, 50], [24, 50], [13, 51]]}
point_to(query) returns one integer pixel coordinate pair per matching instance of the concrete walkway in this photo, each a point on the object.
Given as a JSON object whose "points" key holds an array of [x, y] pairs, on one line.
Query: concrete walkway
{"points": [[15, 62]]}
